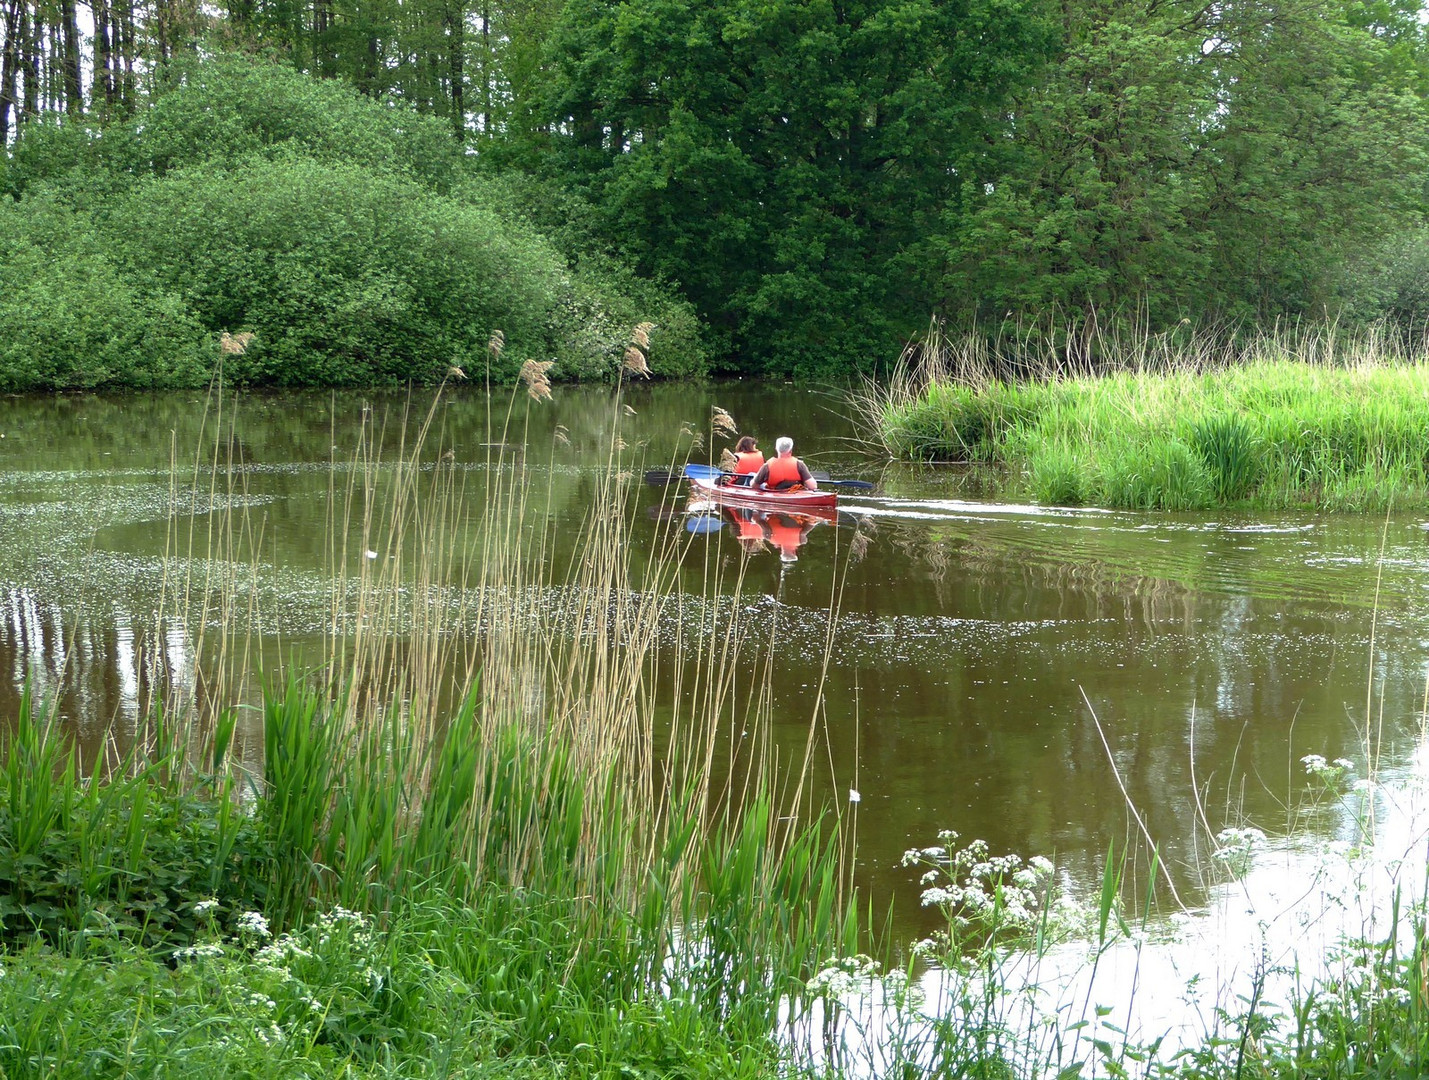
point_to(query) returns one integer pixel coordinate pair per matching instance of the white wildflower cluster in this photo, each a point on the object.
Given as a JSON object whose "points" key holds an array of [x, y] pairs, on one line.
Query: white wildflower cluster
{"points": [[929, 948], [1237, 847], [281, 953], [842, 976], [206, 950], [204, 908], [340, 918], [979, 892], [253, 926], [1335, 776]]}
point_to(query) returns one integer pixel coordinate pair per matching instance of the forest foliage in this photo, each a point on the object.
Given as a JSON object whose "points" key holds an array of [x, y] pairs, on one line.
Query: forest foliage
{"points": [[792, 187]]}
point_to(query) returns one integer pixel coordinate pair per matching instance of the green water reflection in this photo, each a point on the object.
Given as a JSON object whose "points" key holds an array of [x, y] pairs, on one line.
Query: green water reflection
{"points": [[971, 640]]}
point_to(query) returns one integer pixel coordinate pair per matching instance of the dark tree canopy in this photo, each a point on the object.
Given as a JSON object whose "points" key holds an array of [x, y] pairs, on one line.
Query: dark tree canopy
{"points": [[814, 178]]}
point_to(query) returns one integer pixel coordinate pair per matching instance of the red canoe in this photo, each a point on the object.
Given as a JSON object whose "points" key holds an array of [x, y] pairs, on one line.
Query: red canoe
{"points": [[735, 495]]}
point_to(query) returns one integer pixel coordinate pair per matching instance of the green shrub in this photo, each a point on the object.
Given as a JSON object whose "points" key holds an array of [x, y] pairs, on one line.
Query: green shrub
{"points": [[230, 110], [345, 276], [71, 316], [245, 196]]}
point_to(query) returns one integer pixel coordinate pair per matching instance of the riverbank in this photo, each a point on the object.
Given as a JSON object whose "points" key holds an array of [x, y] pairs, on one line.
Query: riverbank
{"points": [[152, 927], [328, 919], [1270, 434]]}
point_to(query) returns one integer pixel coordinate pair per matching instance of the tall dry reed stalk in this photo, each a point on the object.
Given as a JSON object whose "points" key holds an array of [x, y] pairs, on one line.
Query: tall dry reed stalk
{"points": [[449, 598]]}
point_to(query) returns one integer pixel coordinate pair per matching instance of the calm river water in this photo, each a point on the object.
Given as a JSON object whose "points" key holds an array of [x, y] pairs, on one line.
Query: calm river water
{"points": [[976, 640]]}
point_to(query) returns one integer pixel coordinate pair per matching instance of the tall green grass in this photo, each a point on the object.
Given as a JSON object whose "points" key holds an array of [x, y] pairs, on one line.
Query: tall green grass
{"points": [[471, 767], [1316, 421]]}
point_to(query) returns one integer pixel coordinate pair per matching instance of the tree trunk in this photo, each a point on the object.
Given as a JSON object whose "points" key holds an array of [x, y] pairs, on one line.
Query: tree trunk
{"points": [[69, 59], [126, 54], [322, 47], [30, 61], [456, 42], [9, 62], [103, 86], [487, 92]]}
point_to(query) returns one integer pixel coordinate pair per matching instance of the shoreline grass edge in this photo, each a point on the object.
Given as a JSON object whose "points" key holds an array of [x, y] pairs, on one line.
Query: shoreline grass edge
{"points": [[1343, 427]]}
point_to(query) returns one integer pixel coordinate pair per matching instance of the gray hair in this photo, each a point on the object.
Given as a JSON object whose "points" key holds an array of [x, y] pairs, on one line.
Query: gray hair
{"points": [[783, 444]]}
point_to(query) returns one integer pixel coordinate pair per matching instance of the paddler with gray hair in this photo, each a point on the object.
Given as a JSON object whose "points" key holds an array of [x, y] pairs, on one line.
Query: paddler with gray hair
{"points": [[784, 472]]}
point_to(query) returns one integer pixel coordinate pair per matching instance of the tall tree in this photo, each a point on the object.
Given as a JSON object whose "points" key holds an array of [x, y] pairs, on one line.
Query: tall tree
{"points": [[1192, 158], [785, 162], [9, 65], [69, 58]]}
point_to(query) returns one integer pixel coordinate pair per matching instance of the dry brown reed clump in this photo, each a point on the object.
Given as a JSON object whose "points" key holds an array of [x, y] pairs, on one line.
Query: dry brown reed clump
{"points": [[722, 423], [538, 383], [635, 362], [234, 344], [637, 353]]}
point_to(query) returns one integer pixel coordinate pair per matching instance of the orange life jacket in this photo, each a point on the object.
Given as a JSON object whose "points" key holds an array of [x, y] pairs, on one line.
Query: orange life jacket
{"points": [[781, 469], [748, 463]]}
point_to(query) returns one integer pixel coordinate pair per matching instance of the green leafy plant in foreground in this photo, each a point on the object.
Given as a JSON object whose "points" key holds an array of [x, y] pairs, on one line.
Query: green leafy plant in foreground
{"points": [[130, 853]]}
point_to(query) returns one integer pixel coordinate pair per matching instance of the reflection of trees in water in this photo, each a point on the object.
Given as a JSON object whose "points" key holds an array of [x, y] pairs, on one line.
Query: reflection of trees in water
{"points": [[101, 679]]}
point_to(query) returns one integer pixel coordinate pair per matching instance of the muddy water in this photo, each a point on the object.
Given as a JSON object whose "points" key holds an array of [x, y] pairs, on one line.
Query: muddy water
{"points": [[1025, 675]]}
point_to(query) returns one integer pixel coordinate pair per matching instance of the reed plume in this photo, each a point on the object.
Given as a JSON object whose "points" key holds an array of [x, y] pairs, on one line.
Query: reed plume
{"points": [[234, 344], [722, 422], [635, 361], [534, 375]]}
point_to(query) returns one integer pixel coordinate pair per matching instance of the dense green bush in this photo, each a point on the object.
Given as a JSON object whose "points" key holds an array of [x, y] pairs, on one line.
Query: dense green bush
{"points": [[72, 318], [1391, 282], [345, 276], [229, 110], [342, 233]]}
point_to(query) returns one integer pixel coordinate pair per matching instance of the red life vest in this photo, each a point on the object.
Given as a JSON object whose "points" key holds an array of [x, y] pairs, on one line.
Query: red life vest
{"points": [[781, 469], [748, 463]]}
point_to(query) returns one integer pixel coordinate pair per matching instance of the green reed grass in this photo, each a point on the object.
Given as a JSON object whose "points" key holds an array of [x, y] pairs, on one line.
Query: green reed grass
{"points": [[464, 754], [1272, 432]]}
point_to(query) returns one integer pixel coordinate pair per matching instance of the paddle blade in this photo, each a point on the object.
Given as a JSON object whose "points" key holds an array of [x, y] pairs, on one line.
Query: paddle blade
{"points": [[703, 523], [707, 473]]}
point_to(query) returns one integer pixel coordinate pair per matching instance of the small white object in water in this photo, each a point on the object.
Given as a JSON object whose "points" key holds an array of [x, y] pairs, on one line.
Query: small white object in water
{"points": [[372, 554], [854, 796]]}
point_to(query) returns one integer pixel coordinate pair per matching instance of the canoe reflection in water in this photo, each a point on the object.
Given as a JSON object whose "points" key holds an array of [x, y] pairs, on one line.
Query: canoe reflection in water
{"points": [[784, 531]]}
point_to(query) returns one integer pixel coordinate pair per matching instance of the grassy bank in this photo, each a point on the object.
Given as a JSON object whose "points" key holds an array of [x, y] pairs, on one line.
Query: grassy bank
{"points": [[341, 922], [1330, 424]]}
